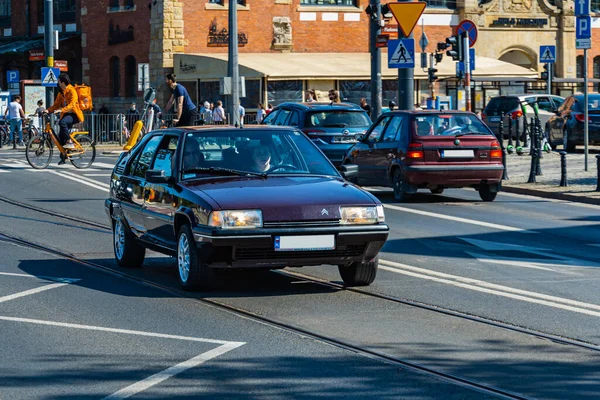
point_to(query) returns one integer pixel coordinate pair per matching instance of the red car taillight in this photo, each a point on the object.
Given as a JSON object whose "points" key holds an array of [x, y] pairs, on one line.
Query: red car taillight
{"points": [[483, 116], [415, 151], [581, 118], [496, 151], [516, 114]]}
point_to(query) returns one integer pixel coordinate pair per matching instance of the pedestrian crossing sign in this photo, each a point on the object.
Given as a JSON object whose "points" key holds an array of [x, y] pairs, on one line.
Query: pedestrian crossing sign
{"points": [[50, 76], [547, 54], [401, 53]]}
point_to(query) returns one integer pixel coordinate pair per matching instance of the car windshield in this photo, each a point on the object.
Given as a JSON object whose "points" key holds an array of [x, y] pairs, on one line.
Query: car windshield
{"points": [[337, 119], [449, 125], [252, 152]]}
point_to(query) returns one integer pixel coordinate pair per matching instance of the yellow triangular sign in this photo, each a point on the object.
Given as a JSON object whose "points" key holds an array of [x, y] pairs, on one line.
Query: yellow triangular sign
{"points": [[407, 14]]}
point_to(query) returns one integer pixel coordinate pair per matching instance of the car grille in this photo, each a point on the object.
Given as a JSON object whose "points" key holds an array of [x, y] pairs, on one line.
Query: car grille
{"points": [[293, 224], [252, 254]]}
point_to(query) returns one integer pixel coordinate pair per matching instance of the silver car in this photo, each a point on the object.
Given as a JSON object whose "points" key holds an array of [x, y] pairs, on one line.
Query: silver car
{"points": [[511, 107]]}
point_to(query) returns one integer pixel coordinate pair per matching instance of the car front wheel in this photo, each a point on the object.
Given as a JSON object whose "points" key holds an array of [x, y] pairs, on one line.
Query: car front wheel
{"points": [[128, 252], [486, 194], [359, 273], [192, 272]]}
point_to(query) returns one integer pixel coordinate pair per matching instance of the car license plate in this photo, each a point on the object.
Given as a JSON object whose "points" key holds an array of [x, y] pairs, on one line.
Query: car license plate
{"points": [[304, 243], [458, 154], [494, 119], [344, 139]]}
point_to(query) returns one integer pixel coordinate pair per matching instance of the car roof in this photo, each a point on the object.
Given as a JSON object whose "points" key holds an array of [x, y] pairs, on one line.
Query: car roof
{"points": [[524, 96], [428, 112], [222, 128], [320, 106]]}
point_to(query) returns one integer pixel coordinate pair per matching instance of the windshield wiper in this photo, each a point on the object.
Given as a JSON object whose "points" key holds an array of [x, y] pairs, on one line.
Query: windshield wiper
{"points": [[467, 133], [224, 171]]}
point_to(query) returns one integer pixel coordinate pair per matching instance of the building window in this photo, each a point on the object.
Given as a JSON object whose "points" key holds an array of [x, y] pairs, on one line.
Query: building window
{"points": [[451, 4], [64, 11], [597, 67], [579, 66], [347, 3], [223, 2], [115, 76], [5, 13], [130, 73], [282, 91]]}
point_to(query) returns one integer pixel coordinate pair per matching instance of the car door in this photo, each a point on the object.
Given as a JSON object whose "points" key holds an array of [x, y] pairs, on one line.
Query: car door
{"points": [[158, 211], [385, 151], [132, 186], [271, 117], [557, 122], [362, 153]]}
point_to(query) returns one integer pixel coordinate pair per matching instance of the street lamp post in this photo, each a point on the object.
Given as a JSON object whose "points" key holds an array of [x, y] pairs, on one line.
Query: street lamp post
{"points": [[233, 67], [374, 30]]}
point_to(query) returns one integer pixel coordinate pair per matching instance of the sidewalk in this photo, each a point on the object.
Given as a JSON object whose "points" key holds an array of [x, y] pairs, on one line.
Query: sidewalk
{"points": [[581, 184]]}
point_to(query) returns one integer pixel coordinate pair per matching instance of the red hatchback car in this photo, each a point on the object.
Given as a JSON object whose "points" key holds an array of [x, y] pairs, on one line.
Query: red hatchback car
{"points": [[411, 150]]}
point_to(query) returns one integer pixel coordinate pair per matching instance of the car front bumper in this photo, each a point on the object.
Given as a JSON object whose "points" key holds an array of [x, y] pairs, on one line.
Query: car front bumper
{"points": [[256, 248], [453, 175]]}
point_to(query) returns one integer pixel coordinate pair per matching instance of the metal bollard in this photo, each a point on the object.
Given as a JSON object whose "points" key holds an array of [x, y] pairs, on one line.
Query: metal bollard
{"points": [[505, 172], [510, 148], [538, 126], [563, 168], [501, 130], [518, 148], [598, 169], [531, 134], [532, 170], [538, 147]]}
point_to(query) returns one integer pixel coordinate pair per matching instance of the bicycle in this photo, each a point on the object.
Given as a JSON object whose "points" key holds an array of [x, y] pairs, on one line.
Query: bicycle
{"points": [[29, 129], [40, 148]]}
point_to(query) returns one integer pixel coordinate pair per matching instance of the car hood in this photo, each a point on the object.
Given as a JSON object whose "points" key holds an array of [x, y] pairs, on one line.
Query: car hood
{"points": [[284, 198]]}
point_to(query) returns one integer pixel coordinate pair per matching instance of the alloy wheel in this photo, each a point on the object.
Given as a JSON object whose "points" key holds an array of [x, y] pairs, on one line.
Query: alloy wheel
{"points": [[183, 258]]}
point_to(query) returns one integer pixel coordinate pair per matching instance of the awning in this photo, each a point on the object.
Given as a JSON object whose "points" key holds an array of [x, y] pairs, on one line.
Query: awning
{"points": [[326, 66], [21, 46]]}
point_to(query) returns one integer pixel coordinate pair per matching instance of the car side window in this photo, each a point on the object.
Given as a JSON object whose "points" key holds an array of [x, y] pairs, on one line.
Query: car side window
{"points": [[142, 164], [165, 155], [377, 130], [545, 104], [393, 130], [294, 118], [557, 101], [270, 119], [282, 117]]}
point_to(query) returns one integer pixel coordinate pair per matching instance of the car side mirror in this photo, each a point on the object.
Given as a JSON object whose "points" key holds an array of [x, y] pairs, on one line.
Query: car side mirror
{"points": [[349, 171], [360, 137], [157, 176]]}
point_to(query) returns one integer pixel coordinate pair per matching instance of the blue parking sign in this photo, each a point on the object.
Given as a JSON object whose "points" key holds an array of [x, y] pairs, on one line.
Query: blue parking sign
{"points": [[12, 77], [583, 27]]}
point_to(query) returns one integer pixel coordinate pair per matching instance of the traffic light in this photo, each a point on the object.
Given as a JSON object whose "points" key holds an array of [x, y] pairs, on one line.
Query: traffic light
{"points": [[441, 46], [544, 74], [457, 51], [438, 57], [432, 76]]}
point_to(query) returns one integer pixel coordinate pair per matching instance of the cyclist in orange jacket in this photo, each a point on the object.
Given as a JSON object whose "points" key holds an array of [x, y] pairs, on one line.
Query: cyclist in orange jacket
{"points": [[67, 105]]}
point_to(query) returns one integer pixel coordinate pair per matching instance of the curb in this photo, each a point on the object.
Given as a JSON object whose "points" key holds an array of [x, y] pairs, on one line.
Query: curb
{"points": [[551, 195]]}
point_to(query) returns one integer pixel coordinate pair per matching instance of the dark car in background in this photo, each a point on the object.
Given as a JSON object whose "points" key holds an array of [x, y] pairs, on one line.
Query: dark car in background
{"points": [[258, 197], [511, 106], [332, 127], [411, 150], [566, 126]]}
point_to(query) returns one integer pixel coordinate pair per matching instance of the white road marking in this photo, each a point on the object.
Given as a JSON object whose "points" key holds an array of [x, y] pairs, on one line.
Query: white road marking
{"points": [[172, 371], [50, 278], [3, 170], [95, 182], [99, 175], [492, 246], [491, 288], [98, 185], [104, 165], [31, 291], [458, 219], [16, 166], [155, 379]]}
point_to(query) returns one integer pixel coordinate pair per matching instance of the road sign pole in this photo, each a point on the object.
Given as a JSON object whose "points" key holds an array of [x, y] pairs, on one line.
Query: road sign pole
{"points": [[467, 64], [49, 45], [585, 106], [376, 89], [233, 66], [549, 84], [406, 85]]}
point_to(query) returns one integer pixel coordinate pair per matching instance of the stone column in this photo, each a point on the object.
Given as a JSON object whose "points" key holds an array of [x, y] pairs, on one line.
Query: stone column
{"points": [[566, 53], [166, 37]]}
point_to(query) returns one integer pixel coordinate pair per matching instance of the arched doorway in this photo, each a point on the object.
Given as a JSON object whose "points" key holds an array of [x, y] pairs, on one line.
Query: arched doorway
{"points": [[519, 57]]}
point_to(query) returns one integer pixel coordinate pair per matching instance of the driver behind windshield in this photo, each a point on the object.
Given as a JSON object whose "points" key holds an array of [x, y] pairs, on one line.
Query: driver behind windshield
{"points": [[260, 157], [192, 157]]}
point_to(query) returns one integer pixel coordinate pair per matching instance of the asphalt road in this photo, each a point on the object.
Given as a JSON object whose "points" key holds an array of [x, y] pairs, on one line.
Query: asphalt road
{"points": [[522, 261]]}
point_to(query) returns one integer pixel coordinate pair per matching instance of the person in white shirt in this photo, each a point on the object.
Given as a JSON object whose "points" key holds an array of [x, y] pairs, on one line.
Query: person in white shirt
{"points": [[242, 113], [260, 114], [219, 114], [14, 113]]}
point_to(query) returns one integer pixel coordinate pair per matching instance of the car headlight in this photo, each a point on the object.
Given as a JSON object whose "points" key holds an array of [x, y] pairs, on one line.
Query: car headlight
{"points": [[236, 219], [361, 215]]}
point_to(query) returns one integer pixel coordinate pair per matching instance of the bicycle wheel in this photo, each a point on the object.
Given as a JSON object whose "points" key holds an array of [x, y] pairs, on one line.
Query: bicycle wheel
{"points": [[39, 152], [84, 157]]}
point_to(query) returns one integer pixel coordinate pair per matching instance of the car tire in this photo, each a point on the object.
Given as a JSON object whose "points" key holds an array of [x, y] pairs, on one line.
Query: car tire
{"points": [[128, 252], [359, 273], [486, 194], [437, 191], [400, 194], [191, 271]]}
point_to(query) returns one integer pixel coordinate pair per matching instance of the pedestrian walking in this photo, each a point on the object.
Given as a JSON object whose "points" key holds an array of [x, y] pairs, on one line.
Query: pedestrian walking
{"points": [[14, 114], [260, 113], [219, 116], [365, 106], [39, 112], [133, 115], [185, 110]]}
